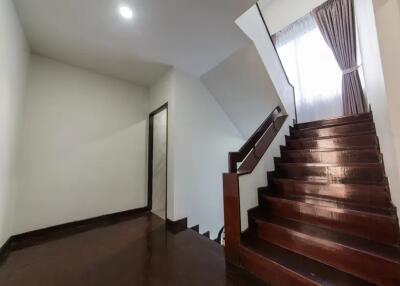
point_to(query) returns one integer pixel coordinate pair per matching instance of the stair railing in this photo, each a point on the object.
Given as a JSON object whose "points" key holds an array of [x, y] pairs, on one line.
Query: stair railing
{"points": [[249, 156]]}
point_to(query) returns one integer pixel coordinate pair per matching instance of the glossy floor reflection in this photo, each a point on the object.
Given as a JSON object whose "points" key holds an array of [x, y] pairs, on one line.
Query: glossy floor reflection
{"points": [[138, 252]]}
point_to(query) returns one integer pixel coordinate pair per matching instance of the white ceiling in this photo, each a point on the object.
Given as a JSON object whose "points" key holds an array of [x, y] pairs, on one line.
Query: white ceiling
{"points": [[192, 35]]}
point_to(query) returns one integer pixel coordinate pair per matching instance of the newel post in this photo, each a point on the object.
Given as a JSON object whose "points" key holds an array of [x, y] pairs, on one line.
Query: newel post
{"points": [[232, 217]]}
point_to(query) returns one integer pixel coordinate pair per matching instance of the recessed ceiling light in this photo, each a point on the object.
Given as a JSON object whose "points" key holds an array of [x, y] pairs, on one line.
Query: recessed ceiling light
{"points": [[126, 12]]}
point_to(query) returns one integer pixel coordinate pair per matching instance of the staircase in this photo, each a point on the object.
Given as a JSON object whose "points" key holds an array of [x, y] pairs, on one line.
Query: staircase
{"points": [[326, 217]]}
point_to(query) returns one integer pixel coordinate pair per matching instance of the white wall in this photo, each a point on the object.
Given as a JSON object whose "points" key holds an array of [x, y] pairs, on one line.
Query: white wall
{"points": [[243, 89], [387, 15], [83, 150], [200, 138], [281, 13], [162, 91], [376, 91], [252, 25], [204, 136], [14, 56]]}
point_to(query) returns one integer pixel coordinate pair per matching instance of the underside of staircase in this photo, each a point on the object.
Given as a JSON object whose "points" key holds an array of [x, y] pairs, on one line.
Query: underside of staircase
{"points": [[326, 217]]}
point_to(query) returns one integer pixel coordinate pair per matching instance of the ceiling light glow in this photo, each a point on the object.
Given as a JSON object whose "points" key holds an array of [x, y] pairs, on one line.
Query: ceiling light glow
{"points": [[126, 12]]}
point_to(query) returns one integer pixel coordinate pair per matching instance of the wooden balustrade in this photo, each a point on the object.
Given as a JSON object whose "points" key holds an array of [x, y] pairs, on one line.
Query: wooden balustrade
{"points": [[249, 156]]}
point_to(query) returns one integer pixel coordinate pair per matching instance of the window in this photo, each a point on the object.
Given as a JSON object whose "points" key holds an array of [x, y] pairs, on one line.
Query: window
{"points": [[312, 69]]}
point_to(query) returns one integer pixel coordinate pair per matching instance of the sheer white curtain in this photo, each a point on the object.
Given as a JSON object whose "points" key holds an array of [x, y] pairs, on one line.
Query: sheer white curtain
{"points": [[312, 69]]}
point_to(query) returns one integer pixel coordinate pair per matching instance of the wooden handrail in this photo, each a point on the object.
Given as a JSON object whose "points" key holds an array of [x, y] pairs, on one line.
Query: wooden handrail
{"points": [[246, 149], [250, 154]]}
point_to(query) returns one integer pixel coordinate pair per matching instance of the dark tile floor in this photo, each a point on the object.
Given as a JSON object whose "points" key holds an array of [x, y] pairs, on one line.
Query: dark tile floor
{"points": [[138, 252]]}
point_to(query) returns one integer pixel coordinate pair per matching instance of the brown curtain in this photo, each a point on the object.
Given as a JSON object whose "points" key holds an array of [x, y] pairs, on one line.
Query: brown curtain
{"points": [[336, 21]]}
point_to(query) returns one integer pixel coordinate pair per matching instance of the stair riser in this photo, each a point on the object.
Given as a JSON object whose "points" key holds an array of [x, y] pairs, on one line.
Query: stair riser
{"points": [[334, 131], [270, 271], [372, 174], [346, 221], [332, 143], [337, 121], [357, 263], [367, 195], [337, 157]]}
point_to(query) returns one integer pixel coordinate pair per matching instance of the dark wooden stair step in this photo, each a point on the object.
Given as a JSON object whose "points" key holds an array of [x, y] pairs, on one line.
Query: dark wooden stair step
{"points": [[388, 210], [377, 195], [331, 180], [280, 267], [335, 121], [336, 216], [360, 172], [352, 128], [343, 141], [332, 157], [338, 149], [350, 254], [196, 228]]}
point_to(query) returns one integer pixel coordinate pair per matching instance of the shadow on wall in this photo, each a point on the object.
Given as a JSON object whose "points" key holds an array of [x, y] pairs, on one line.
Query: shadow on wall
{"points": [[243, 89]]}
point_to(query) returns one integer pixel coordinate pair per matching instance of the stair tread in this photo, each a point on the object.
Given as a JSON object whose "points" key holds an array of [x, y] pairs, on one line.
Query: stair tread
{"points": [[344, 151], [333, 204], [347, 164], [357, 115], [384, 251], [366, 122], [322, 182], [387, 207], [323, 149], [334, 125], [328, 134], [343, 120], [333, 135], [339, 136], [360, 194], [311, 269], [329, 156], [333, 172], [335, 180]]}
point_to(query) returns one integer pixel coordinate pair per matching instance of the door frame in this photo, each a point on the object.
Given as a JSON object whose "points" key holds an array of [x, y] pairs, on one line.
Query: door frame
{"points": [[150, 159]]}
